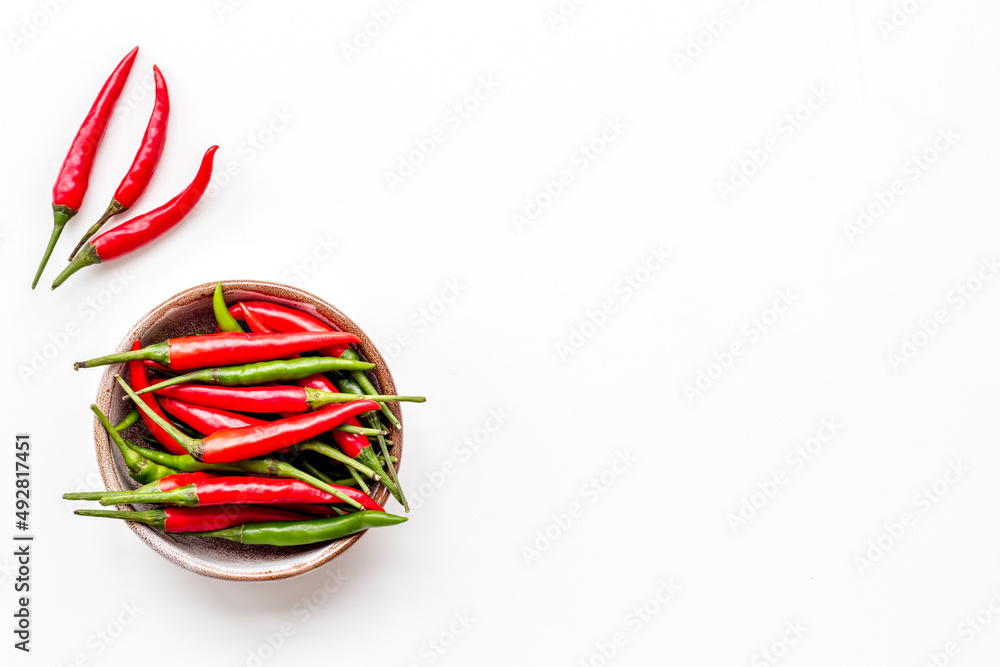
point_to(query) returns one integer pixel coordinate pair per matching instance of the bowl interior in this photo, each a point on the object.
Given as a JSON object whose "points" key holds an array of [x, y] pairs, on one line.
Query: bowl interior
{"points": [[188, 313]]}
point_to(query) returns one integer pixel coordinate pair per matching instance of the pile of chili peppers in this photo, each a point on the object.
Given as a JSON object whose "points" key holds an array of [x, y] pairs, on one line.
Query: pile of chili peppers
{"points": [[264, 432], [74, 177]]}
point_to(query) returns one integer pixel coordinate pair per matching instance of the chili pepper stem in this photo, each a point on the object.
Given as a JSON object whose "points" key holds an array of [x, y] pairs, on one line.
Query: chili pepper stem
{"points": [[359, 480], [140, 469], [330, 452], [114, 208], [369, 458], [61, 214], [392, 468], [85, 257], [191, 445], [359, 430], [158, 352], [186, 496], [155, 518], [317, 398], [85, 495]]}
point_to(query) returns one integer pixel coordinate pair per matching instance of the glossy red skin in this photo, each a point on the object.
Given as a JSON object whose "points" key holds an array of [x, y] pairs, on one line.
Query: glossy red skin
{"points": [[244, 443], [272, 491], [74, 176], [207, 420], [197, 519], [138, 380], [139, 231], [350, 443], [286, 320], [151, 148], [242, 399], [231, 349], [171, 482]]}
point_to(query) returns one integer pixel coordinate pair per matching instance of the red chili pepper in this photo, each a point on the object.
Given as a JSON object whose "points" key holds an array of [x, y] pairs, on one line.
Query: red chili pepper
{"points": [[74, 176], [137, 378], [197, 519], [247, 442], [139, 231], [244, 490], [144, 164], [285, 320], [206, 420], [223, 349], [285, 399], [242, 399]]}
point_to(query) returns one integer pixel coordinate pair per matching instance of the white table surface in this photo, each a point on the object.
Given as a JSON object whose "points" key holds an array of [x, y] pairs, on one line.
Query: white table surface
{"points": [[712, 228]]}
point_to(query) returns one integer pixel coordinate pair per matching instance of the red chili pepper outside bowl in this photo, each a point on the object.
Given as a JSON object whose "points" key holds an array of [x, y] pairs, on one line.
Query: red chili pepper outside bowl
{"points": [[188, 313]]}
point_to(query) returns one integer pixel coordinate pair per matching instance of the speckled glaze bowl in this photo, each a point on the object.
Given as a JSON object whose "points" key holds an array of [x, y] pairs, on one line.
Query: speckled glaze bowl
{"points": [[191, 312]]}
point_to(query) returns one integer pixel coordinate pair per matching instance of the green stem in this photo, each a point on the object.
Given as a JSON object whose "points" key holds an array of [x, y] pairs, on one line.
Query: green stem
{"points": [[336, 455], [86, 495], [360, 481], [61, 214], [317, 398], [359, 430], [391, 468], [369, 458], [186, 496], [140, 469], [155, 518], [315, 472], [192, 446], [114, 208], [225, 321], [85, 257], [158, 352]]}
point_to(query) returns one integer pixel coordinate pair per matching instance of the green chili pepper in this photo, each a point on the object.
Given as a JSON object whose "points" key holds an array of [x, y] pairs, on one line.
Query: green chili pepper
{"points": [[130, 419], [225, 321], [294, 533], [262, 372], [139, 468]]}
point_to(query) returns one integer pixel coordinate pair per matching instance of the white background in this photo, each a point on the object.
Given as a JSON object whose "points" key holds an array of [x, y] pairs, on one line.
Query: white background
{"points": [[804, 556]]}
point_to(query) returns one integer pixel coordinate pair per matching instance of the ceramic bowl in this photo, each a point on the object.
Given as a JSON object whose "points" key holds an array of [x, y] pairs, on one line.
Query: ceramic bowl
{"points": [[191, 312]]}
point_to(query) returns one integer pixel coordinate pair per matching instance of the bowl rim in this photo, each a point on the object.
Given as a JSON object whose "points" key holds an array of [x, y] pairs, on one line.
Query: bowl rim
{"points": [[111, 474]]}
